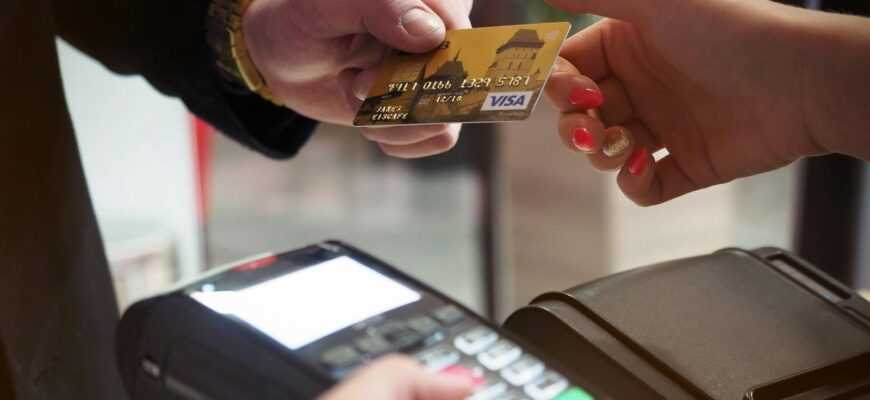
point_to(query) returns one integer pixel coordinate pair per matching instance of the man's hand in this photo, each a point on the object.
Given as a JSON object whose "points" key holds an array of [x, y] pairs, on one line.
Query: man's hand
{"points": [[399, 378], [320, 57]]}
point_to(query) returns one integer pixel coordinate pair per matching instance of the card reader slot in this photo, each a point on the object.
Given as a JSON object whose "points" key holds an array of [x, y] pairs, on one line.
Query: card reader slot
{"points": [[808, 280], [725, 322], [659, 365], [575, 343]]}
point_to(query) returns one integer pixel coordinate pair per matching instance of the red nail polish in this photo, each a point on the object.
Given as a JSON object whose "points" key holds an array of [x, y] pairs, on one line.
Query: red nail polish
{"points": [[474, 377], [583, 140], [637, 161], [586, 98]]}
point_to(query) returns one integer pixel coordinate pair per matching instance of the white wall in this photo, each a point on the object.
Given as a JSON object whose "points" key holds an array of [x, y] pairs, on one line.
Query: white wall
{"points": [[749, 213], [138, 157]]}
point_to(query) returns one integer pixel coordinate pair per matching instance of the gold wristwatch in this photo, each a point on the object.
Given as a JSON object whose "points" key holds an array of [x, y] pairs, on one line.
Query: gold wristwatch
{"points": [[227, 41]]}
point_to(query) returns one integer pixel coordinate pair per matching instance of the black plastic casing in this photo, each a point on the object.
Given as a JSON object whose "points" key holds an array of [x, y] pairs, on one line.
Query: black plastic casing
{"points": [[200, 355], [730, 325]]}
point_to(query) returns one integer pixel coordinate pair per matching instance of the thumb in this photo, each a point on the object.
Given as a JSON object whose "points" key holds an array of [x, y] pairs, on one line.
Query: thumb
{"points": [[408, 25], [636, 11]]}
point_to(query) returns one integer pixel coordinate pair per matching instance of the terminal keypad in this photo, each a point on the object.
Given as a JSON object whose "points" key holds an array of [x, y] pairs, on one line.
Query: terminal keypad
{"points": [[447, 342]]}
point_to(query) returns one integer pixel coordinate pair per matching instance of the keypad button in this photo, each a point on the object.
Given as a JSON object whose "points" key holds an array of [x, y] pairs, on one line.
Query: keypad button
{"points": [[438, 358], [423, 325], [475, 340], [449, 315], [500, 355], [547, 386], [408, 342], [399, 335], [489, 390], [522, 371], [373, 345], [391, 329], [575, 393], [340, 357]]}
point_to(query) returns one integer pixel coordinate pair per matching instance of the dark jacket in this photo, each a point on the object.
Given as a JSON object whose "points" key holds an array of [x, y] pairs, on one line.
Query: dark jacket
{"points": [[57, 306]]}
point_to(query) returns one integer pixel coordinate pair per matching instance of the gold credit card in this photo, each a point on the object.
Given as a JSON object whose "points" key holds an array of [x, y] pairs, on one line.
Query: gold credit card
{"points": [[477, 75]]}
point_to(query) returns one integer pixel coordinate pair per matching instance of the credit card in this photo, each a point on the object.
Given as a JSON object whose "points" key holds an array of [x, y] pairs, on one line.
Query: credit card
{"points": [[491, 74]]}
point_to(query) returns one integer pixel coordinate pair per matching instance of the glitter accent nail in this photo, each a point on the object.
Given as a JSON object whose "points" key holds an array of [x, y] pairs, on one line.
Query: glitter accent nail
{"points": [[616, 142]]}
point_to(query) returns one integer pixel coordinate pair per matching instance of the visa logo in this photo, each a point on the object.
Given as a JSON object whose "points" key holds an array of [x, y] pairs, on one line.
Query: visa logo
{"points": [[502, 101]]}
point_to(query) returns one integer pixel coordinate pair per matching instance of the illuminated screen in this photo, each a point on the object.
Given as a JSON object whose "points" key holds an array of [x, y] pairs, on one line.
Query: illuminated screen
{"points": [[303, 306]]}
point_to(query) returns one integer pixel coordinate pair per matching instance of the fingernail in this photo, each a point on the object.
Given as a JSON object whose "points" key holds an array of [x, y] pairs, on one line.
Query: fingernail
{"points": [[465, 382], [637, 161], [473, 378], [418, 22], [616, 142], [561, 65], [360, 91], [583, 140], [586, 97]]}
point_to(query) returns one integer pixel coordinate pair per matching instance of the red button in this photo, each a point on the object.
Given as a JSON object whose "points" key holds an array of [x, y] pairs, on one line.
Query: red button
{"points": [[257, 264], [476, 377]]}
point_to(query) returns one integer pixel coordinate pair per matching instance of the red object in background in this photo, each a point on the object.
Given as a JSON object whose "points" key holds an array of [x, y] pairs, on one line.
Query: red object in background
{"points": [[256, 264], [202, 139]]}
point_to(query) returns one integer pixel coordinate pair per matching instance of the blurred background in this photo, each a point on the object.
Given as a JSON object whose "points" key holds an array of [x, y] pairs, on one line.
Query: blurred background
{"points": [[507, 215]]}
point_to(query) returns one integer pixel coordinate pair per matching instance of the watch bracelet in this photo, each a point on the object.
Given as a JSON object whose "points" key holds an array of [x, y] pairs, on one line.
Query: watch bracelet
{"points": [[226, 40]]}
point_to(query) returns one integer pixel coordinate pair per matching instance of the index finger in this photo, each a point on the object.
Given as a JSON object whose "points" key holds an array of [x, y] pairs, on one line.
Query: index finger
{"points": [[586, 50], [569, 90]]}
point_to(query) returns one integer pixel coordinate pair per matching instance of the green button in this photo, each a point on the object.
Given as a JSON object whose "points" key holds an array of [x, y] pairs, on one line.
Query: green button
{"points": [[574, 393]]}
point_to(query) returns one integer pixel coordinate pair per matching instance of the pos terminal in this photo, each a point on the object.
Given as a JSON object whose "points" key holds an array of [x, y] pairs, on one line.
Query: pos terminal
{"points": [[289, 326], [735, 324]]}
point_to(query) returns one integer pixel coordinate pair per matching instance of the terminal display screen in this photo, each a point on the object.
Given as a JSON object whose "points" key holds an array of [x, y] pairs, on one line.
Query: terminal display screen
{"points": [[305, 305]]}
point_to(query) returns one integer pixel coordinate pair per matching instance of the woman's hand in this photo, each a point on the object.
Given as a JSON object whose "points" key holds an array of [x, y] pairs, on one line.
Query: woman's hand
{"points": [[399, 378], [320, 57], [727, 87]]}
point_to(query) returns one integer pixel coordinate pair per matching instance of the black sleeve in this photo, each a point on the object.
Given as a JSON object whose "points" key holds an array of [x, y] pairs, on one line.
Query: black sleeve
{"points": [[164, 40]]}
